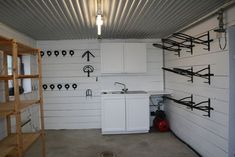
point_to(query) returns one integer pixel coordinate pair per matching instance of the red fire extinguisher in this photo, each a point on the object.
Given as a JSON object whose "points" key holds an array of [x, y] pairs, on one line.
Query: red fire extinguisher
{"points": [[160, 122]]}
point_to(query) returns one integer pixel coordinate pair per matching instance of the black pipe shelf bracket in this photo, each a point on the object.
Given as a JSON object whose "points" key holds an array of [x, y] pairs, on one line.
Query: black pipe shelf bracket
{"points": [[172, 45], [178, 45], [189, 73], [169, 48], [206, 76], [185, 72], [204, 39], [188, 101], [182, 40]]}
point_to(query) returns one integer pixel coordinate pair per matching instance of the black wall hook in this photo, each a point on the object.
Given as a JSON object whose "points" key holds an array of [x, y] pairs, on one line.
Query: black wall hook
{"points": [[59, 86], [88, 53], [42, 53], [67, 86], [74, 86], [44, 86], [88, 92], [64, 52], [56, 53], [52, 86], [49, 53], [88, 69], [71, 52]]}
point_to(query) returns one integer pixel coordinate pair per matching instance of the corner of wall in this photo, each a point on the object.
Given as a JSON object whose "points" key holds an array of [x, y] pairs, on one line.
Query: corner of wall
{"points": [[11, 33]]}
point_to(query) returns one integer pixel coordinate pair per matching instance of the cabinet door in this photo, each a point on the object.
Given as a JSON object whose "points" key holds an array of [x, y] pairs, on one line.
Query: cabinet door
{"points": [[111, 58], [113, 114], [137, 114], [135, 60]]}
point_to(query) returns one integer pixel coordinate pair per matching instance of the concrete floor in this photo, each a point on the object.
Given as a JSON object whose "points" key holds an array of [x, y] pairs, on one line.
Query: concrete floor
{"points": [[90, 143]]}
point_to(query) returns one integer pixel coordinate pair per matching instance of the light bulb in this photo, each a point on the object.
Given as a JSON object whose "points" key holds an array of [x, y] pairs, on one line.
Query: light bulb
{"points": [[99, 23]]}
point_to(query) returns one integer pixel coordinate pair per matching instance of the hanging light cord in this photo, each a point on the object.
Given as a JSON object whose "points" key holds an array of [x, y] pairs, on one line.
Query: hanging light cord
{"points": [[225, 42]]}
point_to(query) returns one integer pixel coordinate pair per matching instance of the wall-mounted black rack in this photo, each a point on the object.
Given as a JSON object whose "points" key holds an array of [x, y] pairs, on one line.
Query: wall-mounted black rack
{"points": [[204, 39], [184, 72], [175, 46], [188, 101], [184, 41], [178, 45], [206, 76], [169, 48], [189, 73]]}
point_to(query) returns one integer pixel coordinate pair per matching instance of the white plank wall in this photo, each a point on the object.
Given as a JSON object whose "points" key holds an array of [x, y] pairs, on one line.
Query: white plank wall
{"points": [[207, 135], [71, 109]]}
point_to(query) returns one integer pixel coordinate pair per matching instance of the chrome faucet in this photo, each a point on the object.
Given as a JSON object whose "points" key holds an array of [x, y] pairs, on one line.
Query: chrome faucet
{"points": [[124, 89]]}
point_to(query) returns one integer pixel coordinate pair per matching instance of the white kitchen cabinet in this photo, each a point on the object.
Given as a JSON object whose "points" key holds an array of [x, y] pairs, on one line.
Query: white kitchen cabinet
{"points": [[112, 58], [125, 113], [137, 113], [113, 114], [135, 58], [123, 58]]}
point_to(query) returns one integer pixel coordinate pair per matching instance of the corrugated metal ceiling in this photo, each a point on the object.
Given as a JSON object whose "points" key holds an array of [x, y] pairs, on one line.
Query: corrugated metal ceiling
{"points": [[75, 19]]}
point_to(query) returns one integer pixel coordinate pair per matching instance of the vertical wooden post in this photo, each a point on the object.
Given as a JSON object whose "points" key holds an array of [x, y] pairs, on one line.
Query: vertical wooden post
{"points": [[17, 99], [5, 72], [6, 86], [41, 103]]}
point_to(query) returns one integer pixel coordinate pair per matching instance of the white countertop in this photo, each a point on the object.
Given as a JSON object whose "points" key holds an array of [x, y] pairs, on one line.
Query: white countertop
{"points": [[150, 93], [153, 92]]}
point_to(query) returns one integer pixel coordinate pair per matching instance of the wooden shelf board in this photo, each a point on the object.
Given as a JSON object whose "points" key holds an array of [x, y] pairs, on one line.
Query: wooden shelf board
{"points": [[27, 76], [8, 144], [5, 113], [10, 77], [29, 139], [6, 77], [20, 52], [6, 46], [9, 106]]}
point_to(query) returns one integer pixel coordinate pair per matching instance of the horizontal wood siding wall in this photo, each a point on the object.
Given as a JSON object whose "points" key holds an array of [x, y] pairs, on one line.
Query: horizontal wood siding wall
{"points": [[71, 109], [207, 135]]}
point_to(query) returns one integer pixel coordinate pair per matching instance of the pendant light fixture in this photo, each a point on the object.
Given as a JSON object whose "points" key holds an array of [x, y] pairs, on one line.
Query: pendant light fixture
{"points": [[99, 18], [221, 29]]}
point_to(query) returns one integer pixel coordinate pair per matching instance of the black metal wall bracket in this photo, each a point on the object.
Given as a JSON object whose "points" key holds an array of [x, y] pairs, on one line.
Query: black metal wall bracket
{"points": [[184, 72], [184, 41], [179, 45], [192, 105], [184, 101], [203, 39], [206, 109], [206, 76], [171, 45], [169, 48], [189, 73]]}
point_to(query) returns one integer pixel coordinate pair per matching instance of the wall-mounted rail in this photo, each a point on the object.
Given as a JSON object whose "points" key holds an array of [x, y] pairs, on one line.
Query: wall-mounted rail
{"points": [[206, 76], [189, 73], [177, 41], [203, 39], [169, 47], [188, 101], [184, 72]]}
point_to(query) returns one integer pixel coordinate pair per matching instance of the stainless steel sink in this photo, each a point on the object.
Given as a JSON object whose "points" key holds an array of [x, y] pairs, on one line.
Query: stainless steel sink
{"points": [[122, 92], [136, 92], [117, 92]]}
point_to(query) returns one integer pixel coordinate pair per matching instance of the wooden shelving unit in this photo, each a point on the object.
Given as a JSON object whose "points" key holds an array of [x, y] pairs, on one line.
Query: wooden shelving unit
{"points": [[8, 144], [16, 143]]}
